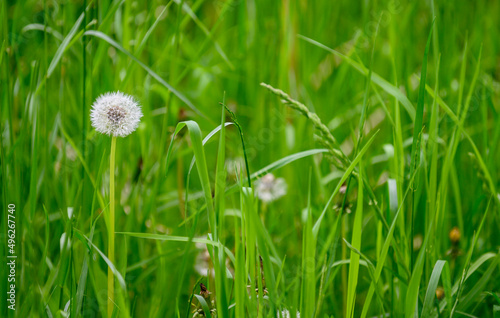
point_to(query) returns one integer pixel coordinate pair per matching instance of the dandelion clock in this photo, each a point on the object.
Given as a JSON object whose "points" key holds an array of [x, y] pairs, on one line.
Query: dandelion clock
{"points": [[117, 115]]}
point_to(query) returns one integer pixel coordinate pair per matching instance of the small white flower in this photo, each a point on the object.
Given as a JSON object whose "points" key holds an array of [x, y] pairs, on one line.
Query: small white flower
{"points": [[202, 262], [286, 314], [115, 114], [235, 166], [270, 188]]}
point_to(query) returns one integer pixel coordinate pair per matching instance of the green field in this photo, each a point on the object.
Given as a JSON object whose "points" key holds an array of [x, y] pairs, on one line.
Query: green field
{"points": [[327, 158]]}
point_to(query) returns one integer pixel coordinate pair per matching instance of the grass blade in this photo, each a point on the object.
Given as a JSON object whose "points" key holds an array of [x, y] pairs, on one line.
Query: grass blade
{"points": [[356, 243], [199, 153], [431, 288], [62, 48], [117, 274], [308, 262], [418, 124], [162, 237], [415, 148]]}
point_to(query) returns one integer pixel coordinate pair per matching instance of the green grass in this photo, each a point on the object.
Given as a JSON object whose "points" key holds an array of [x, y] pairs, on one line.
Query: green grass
{"points": [[381, 117]]}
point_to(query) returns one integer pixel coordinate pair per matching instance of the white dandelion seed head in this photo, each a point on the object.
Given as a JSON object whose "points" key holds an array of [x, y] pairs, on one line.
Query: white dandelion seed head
{"points": [[270, 188], [115, 114]]}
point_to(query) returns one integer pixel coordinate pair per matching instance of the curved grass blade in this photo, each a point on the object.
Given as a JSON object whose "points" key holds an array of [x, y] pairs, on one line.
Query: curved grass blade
{"points": [[117, 274], [235, 120], [377, 79], [191, 297], [62, 48], [199, 153], [284, 161], [473, 296], [267, 169], [152, 28], [43, 28], [204, 305], [163, 237], [431, 288], [205, 140], [472, 269]]}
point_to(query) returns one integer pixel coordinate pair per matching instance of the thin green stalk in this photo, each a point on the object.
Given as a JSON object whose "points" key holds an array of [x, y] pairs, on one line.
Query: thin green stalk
{"points": [[111, 232], [416, 145], [235, 120]]}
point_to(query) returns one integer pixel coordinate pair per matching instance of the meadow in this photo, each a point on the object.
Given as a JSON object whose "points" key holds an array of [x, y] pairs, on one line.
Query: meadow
{"points": [[294, 159]]}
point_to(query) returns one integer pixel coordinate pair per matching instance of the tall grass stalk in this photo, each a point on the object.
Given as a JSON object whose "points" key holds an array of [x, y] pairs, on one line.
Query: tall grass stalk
{"points": [[111, 231]]}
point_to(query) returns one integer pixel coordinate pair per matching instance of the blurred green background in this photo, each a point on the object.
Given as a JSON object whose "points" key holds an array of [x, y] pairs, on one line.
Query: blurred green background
{"points": [[57, 57]]}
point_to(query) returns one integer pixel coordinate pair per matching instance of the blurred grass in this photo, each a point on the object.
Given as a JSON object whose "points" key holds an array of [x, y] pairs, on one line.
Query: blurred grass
{"points": [[178, 58]]}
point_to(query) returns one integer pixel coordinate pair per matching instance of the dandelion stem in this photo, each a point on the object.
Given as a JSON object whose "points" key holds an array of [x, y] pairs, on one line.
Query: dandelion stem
{"points": [[111, 232]]}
